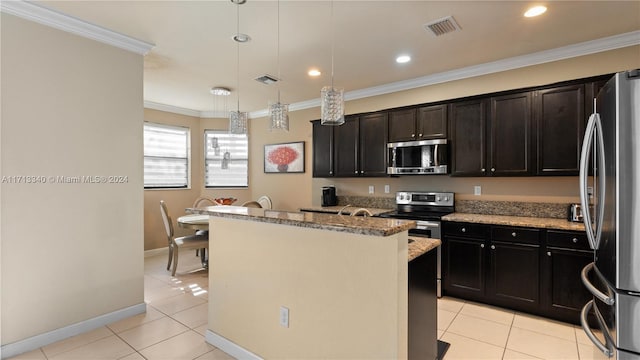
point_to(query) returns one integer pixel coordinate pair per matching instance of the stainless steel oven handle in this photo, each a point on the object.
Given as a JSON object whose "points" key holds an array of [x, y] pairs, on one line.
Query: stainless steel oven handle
{"points": [[584, 275], [587, 330]]}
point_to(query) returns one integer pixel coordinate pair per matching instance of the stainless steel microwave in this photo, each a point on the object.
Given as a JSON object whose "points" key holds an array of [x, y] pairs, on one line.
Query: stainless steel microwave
{"points": [[417, 157]]}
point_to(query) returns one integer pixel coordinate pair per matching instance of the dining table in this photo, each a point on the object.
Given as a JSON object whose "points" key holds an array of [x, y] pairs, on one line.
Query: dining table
{"points": [[194, 221]]}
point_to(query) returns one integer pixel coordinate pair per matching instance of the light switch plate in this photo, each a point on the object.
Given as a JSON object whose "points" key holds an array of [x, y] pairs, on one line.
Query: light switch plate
{"points": [[284, 316]]}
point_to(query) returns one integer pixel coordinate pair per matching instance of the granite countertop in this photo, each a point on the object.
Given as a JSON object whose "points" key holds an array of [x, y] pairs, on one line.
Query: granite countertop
{"points": [[525, 221], [347, 210], [421, 246], [343, 223]]}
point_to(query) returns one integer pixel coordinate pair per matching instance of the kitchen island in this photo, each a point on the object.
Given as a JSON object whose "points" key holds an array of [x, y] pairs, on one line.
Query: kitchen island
{"points": [[307, 285]]}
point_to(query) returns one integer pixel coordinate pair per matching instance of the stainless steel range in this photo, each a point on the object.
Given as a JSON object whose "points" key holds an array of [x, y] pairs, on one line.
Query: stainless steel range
{"points": [[426, 208]]}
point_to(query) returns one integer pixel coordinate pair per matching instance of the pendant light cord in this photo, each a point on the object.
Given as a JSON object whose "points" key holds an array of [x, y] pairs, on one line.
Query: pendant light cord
{"points": [[278, 49], [238, 55], [333, 35]]}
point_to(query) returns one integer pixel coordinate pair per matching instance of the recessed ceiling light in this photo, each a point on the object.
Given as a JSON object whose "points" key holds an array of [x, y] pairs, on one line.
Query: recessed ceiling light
{"points": [[241, 38], [535, 11], [314, 72], [403, 59]]}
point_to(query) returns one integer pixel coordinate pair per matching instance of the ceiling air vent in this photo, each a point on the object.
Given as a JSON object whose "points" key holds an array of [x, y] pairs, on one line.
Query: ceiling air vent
{"points": [[442, 26], [267, 79]]}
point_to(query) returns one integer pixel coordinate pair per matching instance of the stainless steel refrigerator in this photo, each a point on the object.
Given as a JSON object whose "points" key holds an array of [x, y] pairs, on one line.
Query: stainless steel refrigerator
{"points": [[610, 163]]}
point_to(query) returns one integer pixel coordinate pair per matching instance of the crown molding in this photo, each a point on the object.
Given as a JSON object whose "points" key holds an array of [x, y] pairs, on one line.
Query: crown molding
{"points": [[172, 109], [537, 58], [54, 19]]}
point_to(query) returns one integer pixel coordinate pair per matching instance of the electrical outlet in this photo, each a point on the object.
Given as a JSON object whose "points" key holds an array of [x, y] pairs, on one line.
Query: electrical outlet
{"points": [[590, 192], [371, 189], [477, 190], [284, 316], [386, 189]]}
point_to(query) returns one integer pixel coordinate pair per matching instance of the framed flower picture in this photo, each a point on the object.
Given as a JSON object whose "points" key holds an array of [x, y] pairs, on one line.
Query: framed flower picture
{"points": [[284, 158]]}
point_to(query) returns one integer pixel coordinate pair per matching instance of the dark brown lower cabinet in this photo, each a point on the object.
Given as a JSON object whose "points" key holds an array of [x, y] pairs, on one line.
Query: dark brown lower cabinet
{"points": [[531, 270], [423, 308], [564, 293], [514, 275]]}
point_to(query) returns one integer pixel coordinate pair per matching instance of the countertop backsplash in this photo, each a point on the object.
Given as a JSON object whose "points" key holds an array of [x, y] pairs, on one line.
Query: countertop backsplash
{"points": [[512, 208], [507, 208]]}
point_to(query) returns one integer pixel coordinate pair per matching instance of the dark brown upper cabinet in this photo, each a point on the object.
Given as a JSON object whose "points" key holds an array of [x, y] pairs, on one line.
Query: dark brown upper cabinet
{"points": [[322, 150], [360, 146], [427, 122], [468, 137], [560, 124], [511, 149]]}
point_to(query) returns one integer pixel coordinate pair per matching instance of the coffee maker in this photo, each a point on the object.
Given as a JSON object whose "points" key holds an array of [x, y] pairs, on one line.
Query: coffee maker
{"points": [[329, 196]]}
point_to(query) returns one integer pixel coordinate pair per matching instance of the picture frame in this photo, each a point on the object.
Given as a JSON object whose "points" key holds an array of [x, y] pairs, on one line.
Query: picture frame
{"points": [[284, 158]]}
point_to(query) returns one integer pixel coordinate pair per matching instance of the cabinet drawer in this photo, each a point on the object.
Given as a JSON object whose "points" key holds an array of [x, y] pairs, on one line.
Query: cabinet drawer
{"points": [[568, 239], [465, 230], [513, 234]]}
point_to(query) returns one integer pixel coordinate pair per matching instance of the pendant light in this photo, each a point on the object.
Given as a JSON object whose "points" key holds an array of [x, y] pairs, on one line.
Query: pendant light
{"points": [[279, 112], [332, 98], [238, 120]]}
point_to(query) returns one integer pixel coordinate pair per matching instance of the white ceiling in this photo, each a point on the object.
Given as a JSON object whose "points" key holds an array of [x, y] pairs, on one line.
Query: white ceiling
{"points": [[194, 50]]}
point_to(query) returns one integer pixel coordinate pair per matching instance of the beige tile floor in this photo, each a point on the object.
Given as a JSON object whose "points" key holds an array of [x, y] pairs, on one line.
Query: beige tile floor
{"points": [[175, 322]]}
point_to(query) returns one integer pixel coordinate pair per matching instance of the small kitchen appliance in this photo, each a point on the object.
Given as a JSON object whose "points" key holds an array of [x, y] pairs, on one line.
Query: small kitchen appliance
{"points": [[426, 208], [329, 197]]}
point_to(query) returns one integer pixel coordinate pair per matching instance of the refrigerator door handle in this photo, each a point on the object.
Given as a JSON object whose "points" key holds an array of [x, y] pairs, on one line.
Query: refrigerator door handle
{"points": [[605, 348], [594, 126], [584, 275]]}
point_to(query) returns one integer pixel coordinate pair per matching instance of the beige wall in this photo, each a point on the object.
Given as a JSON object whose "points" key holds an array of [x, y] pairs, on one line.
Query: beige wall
{"points": [[70, 251], [292, 191], [346, 293]]}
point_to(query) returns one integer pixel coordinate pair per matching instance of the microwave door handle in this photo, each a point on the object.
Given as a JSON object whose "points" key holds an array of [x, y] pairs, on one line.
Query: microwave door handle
{"points": [[584, 164], [436, 160]]}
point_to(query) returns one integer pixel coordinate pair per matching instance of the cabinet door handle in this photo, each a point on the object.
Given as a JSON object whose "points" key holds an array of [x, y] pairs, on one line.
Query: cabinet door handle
{"points": [[575, 240], [413, 135], [420, 135], [463, 230], [493, 169], [493, 247], [361, 171], [482, 246], [356, 171], [330, 172], [548, 253], [514, 234], [483, 169]]}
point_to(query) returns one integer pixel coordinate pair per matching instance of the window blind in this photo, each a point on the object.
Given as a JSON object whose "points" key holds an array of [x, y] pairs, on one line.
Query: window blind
{"points": [[226, 159], [166, 161]]}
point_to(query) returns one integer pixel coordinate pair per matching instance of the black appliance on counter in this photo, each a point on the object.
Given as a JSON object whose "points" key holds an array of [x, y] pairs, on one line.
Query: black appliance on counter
{"points": [[329, 197], [426, 208]]}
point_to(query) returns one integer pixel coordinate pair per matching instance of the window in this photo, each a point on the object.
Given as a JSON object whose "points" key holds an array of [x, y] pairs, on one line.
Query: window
{"points": [[166, 160], [226, 159]]}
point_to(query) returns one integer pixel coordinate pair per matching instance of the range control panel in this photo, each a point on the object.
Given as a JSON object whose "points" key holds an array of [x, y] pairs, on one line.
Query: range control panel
{"points": [[424, 198]]}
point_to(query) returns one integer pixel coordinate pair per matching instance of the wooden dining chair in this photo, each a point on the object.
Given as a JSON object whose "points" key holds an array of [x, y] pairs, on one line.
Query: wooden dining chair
{"points": [[265, 202], [205, 200], [253, 204], [195, 241]]}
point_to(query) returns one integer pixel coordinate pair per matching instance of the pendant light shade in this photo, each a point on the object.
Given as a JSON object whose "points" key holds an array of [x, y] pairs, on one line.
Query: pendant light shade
{"points": [[331, 106], [279, 112], [238, 120], [279, 116], [332, 98]]}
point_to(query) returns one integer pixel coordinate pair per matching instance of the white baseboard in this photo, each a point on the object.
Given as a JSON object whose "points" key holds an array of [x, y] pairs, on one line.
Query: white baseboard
{"points": [[38, 341], [154, 252], [229, 347]]}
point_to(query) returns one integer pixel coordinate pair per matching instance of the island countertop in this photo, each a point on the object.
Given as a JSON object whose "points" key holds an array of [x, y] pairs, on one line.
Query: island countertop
{"points": [[346, 209], [342, 223], [420, 246]]}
